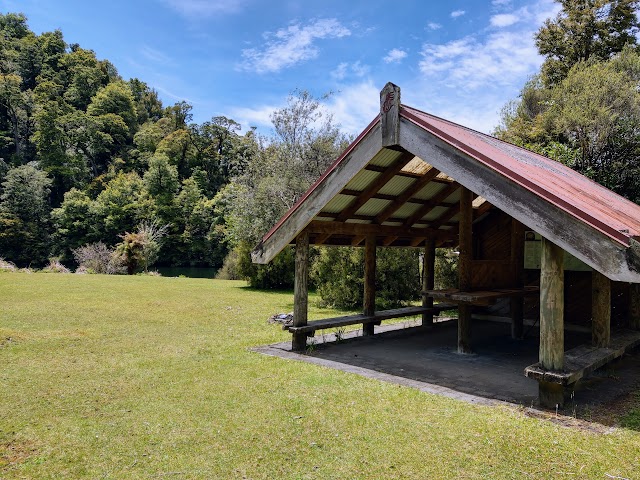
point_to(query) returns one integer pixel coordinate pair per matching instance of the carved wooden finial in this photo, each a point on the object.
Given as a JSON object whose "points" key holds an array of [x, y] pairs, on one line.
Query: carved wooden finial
{"points": [[390, 114]]}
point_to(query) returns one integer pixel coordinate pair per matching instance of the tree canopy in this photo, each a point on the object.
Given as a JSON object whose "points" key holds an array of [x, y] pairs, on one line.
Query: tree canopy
{"points": [[583, 108]]}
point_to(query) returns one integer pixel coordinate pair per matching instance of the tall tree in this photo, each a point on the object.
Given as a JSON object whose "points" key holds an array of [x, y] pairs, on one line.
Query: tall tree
{"points": [[24, 215], [582, 30]]}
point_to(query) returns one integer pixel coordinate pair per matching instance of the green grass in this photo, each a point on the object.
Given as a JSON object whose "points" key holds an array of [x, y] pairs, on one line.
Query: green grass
{"points": [[145, 377]]}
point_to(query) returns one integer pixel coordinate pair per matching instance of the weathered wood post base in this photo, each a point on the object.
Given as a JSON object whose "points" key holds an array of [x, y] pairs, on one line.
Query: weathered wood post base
{"points": [[368, 329], [300, 291], [551, 395], [369, 306], [299, 342], [428, 279]]}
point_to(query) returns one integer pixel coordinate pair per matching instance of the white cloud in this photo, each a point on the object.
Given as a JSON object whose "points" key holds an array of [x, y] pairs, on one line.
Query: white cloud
{"points": [[206, 8], [457, 13], [341, 71], [433, 26], [395, 56], [500, 3], [503, 58], [504, 20], [346, 69], [253, 117], [354, 106], [291, 45]]}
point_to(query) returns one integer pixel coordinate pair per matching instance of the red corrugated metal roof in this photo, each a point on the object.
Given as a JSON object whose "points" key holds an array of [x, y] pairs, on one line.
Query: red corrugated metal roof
{"points": [[582, 198], [592, 203]]}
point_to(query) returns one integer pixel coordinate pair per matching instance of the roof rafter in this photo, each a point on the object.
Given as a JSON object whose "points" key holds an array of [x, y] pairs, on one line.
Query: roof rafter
{"points": [[435, 200], [404, 197], [375, 186]]}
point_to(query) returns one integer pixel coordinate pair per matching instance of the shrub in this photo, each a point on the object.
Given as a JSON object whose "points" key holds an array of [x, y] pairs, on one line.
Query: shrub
{"points": [[6, 266], [446, 268], [339, 275], [55, 267], [279, 273], [230, 268], [97, 258]]}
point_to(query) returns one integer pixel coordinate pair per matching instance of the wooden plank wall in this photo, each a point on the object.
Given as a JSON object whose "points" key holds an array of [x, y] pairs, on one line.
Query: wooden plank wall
{"points": [[492, 249], [492, 252]]}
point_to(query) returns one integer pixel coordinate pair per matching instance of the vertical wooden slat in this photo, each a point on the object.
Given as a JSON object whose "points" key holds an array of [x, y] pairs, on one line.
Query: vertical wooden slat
{"points": [[517, 277], [300, 290], [428, 277], [600, 310], [551, 306], [634, 306], [369, 281], [464, 268]]}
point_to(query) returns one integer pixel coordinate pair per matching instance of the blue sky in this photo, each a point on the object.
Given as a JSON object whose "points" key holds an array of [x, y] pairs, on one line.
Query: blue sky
{"points": [[460, 59]]}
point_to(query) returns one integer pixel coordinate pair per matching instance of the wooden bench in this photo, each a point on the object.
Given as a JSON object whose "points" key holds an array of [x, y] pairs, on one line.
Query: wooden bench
{"points": [[376, 318], [582, 360], [480, 297]]}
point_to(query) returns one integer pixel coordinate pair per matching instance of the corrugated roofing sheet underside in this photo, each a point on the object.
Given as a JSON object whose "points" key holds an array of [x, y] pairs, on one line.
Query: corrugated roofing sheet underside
{"points": [[395, 187], [562, 186]]}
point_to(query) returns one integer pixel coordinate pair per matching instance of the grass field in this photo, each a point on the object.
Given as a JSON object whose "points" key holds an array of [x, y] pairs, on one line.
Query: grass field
{"points": [[147, 377]]}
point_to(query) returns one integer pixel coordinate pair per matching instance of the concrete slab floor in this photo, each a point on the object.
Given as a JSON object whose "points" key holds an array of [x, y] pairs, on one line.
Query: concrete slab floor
{"points": [[495, 370]]}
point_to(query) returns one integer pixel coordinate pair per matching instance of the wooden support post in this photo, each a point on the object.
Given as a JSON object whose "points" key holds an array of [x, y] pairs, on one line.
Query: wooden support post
{"points": [[600, 310], [517, 278], [300, 291], [428, 276], [551, 320], [634, 306], [464, 268], [369, 281]]}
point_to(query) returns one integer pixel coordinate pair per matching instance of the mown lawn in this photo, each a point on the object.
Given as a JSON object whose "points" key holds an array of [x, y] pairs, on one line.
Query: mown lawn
{"points": [[146, 377]]}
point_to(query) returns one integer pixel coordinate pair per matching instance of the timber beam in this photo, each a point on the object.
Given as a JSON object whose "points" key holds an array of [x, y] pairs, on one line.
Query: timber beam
{"points": [[364, 229], [378, 168], [435, 200]]}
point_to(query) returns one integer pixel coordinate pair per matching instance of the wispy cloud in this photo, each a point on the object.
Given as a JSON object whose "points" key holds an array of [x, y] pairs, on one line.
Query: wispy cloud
{"points": [[469, 79], [395, 56], [433, 26], [346, 69], [502, 58], [291, 45], [500, 3], [504, 20], [206, 8], [457, 13], [155, 56]]}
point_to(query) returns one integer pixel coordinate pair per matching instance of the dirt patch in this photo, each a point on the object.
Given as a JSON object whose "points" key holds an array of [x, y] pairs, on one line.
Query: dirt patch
{"points": [[15, 452], [614, 412]]}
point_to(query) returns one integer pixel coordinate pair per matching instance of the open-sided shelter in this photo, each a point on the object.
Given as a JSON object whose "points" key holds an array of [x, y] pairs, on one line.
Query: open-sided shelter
{"points": [[518, 219]]}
